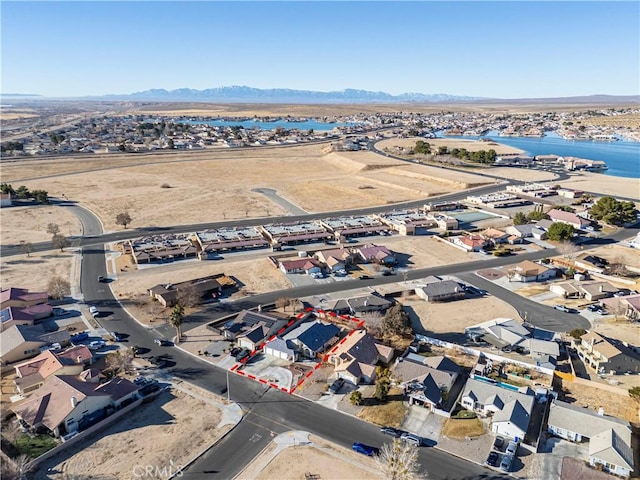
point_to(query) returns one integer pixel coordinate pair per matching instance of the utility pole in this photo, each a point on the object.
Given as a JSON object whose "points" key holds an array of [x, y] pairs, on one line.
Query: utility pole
{"points": [[228, 394]]}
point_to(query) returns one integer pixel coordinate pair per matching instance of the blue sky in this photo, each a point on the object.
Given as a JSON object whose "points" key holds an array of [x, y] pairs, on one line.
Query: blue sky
{"points": [[490, 49]]}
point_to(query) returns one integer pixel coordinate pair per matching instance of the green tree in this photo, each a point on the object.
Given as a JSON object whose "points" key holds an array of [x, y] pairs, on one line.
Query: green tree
{"points": [[22, 192], [422, 147], [123, 219], [59, 241], [537, 215], [560, 231], [519, 218], [613, 212], [26, 248], [40, 196], [383, 384], [565, 208], [176, 319], [442, 150], [7, 188], [355, 398]]}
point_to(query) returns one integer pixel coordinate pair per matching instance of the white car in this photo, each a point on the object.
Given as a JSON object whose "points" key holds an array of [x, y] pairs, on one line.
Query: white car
{"points": [[94, 311], [96, 345]]}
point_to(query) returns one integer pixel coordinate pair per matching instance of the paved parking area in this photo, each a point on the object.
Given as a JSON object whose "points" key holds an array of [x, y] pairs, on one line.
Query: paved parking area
{"points": [[421, 421]]}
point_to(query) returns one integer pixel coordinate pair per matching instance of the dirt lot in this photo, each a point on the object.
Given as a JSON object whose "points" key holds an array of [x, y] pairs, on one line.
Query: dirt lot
{"points": [[29, 223], [618, 405], [453, 317], [604, 184], [220, 178], [35, 272], [167, 429], [323, 459], [425, 251], [255, 275]]}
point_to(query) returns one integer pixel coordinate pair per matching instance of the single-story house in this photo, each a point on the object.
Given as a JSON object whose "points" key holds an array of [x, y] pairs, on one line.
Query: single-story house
{"points": [[440, 291], [495, 236], [21, 297], [312, 338], [591, 291], [168, 294], [11, 316], [527, 231], [511, 410], [376, 254], [301, 265], [569, 218], [280, 348], [426, 380], [32, 374], [335, 265], [67, 404], [342, 254], [355, 358], [471, 243], [250, 328], [21, 342], [628, 305], [528, 271], [358, 305], [609, 437]]}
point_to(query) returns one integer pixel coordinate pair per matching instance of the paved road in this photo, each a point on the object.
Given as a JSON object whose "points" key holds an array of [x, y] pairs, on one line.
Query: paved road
{"points": [[272, 195], [537, 314]]}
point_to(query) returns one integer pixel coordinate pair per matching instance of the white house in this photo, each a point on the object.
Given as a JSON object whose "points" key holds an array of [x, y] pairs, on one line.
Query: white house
{"points": [[609, 437], [528, 271], [511, 410]]}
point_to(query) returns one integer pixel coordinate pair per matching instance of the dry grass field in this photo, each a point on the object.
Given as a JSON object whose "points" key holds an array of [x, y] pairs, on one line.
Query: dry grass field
{"points": [[218, 185], [629, 120], [604, 184], [35, 272], [29, 223]]}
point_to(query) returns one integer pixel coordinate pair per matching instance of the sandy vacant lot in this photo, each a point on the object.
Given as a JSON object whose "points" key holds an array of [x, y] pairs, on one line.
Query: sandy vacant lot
{"points": [[470, 145], [426, 251], [324, 459], [218, 185], [454, 317], [29, 223], [35, 272], [604, 184], [171, 428]]}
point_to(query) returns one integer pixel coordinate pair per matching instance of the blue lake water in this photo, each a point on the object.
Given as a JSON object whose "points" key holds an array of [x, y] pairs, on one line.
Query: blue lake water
{"points": [[310, 124], [622, 157]]}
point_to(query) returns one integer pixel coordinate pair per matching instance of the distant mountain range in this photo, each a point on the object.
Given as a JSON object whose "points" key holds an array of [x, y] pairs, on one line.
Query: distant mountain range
{"points": [[243, 94]]}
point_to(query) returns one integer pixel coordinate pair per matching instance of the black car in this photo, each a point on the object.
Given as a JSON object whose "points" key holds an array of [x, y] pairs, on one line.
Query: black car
{"points": [[337, 385], [243, 354], [394, 432], [235, 351], [365, 277], [492, 459], [498, 443]]}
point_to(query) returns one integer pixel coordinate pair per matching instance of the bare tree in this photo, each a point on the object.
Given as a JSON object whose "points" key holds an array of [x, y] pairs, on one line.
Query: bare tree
{"points": [[53, 228], [26, 247], [283, 303], [59, 241], [58, 288], [399, 461], [568, 250], [373, 324], [510, 274], [154, 310], [18, 468], [120, 361], [189, 296], [619, 309]]}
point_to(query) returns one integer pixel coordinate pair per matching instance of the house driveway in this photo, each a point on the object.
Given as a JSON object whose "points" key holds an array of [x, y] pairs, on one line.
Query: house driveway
{"points": [[550, 463], [422, 422]]}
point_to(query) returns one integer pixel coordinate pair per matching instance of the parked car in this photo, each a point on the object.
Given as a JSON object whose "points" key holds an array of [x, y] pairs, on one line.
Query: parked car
{"points": [[235, 351], [365, 277], [115, 336], [622, 292], [562, 308], [94, 311], [512, 448], [243, 354], [411, 438], [100, 278], [498, 443], [505, 464], [96, 345], [365, 449], [594, 307], [162, 342], [336, 385], [394, 432], [79, 337], [492, 459]]}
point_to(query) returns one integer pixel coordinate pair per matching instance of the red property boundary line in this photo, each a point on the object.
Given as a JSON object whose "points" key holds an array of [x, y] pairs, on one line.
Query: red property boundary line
{"points": [[237, 368]]}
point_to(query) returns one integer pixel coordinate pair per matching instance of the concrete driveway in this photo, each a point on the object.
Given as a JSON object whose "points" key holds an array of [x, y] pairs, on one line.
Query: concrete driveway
{"points": [[422, 422], [555, 450]]}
